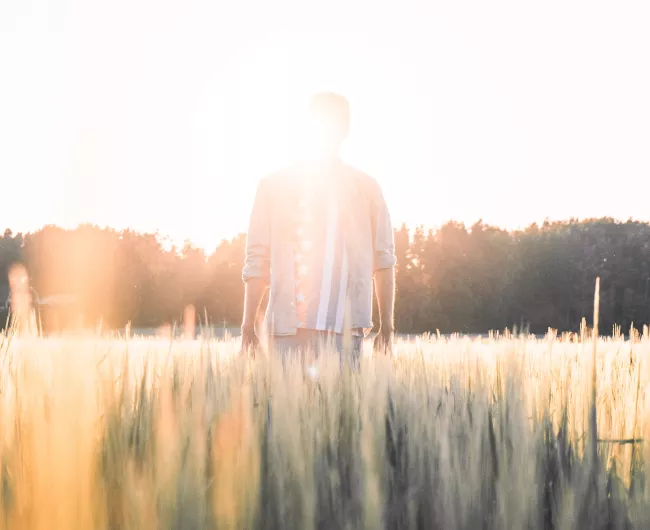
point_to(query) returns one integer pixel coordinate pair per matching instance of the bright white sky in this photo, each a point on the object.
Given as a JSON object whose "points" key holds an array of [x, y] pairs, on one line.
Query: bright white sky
{"points": [[163, 115]]}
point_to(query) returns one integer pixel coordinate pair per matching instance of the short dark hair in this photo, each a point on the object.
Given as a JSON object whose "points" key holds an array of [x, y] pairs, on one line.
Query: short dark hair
{"points": [[335, 106]]}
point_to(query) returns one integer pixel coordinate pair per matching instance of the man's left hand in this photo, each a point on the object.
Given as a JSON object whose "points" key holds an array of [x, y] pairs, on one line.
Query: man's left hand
{"points": [[383, 342]]}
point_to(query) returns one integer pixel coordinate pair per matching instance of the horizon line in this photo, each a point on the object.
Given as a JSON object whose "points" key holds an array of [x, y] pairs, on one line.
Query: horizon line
{"points": [[411, 227]]}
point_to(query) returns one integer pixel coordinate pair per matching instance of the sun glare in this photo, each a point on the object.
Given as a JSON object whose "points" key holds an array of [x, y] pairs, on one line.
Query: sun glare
{"points": [[172, 134]]}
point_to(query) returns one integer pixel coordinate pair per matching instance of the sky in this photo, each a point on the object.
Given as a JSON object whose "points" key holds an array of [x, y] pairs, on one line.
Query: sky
{"points": [[162, 116]]}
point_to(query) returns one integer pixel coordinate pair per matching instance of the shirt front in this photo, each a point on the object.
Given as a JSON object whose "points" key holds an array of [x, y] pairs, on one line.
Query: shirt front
{"points": [[321, 267], [316, 235]]}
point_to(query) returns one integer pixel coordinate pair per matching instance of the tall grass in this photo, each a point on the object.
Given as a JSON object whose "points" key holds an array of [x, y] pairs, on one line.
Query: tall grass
{"points": [[127, 433]]}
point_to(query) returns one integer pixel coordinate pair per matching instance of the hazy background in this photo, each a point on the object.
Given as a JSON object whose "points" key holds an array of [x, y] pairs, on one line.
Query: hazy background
{"points": [[163, 115]]}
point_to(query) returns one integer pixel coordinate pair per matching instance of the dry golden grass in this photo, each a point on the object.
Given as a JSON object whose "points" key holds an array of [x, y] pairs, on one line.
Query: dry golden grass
{"points": [[109, 433]]}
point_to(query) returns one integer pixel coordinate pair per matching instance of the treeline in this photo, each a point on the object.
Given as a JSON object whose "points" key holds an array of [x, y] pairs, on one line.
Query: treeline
{"points": [[454, 279]]}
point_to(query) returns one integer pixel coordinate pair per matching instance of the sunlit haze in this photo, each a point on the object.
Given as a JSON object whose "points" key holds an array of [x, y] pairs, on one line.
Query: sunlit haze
{"points": [[164, 115]]}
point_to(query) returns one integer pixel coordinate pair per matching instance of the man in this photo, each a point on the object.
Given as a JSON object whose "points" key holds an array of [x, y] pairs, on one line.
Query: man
{"points": [[319, 233]]}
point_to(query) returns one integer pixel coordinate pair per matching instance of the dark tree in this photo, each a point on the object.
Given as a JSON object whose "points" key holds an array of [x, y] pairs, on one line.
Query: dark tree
{"points": [[454, 279]]}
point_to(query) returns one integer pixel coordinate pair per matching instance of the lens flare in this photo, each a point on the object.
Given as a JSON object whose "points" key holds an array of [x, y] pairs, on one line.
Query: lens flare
{"points": [[21, 299]]}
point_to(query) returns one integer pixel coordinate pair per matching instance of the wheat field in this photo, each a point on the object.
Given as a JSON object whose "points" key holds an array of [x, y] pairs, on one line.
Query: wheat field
{"points": [[103, 432]]}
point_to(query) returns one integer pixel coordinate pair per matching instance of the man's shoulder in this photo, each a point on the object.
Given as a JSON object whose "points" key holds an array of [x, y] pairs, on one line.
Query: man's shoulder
{"points": [[291, 173], [363, 179], [282, 175], [355, 171]]}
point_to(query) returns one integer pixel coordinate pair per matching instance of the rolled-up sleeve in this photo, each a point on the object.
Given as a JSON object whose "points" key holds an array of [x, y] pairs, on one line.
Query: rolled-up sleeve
{"points": [[258, 239], [383, 237]]}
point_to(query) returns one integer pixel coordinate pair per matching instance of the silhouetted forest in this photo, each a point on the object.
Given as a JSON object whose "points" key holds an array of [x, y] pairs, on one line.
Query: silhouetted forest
{"points": [[455, 279]]}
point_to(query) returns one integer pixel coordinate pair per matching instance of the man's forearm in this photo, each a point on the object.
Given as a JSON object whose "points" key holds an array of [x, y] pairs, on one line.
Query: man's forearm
{"points": [[253, 294], [385, 291]]}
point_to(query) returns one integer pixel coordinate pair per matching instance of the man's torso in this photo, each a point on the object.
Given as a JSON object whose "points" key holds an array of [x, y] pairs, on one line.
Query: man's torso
{"points": [[321, 249]]}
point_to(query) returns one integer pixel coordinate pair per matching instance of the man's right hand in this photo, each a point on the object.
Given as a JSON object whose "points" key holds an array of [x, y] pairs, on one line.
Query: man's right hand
{"points": [[253, 293], [249, 341]]}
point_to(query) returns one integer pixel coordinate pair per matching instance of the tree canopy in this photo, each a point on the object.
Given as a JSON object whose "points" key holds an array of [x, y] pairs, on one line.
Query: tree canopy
{"points": [[453, 279]]}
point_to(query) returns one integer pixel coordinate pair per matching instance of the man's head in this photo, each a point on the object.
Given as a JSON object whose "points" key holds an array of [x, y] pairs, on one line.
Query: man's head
{"points": [[329, 122]]}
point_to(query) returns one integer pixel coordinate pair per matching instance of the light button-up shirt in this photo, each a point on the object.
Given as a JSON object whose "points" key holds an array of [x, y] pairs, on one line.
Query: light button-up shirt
{"points": [[316, 235]]}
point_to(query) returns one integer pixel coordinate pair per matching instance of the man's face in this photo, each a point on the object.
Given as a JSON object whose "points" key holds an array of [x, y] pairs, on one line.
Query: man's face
{"points": [[325, 132]]}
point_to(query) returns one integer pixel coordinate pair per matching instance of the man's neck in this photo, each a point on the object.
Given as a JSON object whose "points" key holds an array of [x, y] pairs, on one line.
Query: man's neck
{"points": [[326, 159]]}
